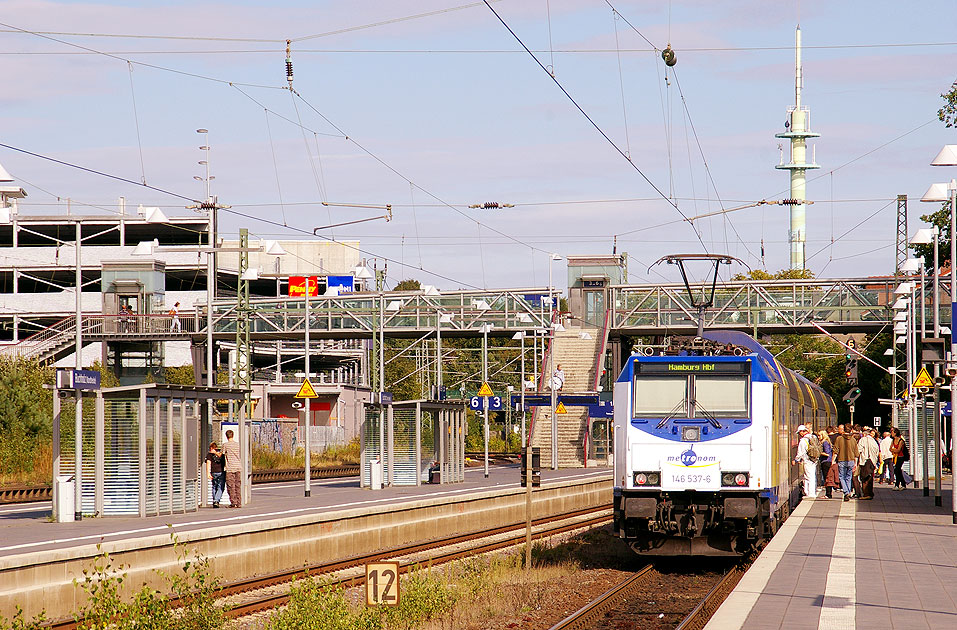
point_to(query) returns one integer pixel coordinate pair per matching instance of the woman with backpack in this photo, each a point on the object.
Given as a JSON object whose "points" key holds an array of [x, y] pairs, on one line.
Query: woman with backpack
{"points": [[824, 463], [901, 454]]}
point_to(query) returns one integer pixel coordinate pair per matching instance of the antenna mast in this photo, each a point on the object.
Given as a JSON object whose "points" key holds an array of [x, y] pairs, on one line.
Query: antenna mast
{"points": [[797, 130]]}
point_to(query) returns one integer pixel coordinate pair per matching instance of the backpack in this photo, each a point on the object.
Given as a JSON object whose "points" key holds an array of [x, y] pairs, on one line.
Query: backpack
{"points": [[813, 447]]}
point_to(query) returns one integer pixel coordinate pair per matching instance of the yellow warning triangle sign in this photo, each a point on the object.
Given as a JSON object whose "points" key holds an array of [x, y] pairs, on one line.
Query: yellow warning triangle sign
{"points": [[306, 390], [561, 408], [485, 390], [923, 379]]}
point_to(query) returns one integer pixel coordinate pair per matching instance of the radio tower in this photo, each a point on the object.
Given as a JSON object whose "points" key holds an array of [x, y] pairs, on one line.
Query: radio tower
{"points": [[797, 130]]}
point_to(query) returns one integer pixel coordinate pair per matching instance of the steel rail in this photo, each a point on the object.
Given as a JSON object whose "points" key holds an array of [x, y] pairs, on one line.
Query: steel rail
{"points": [[266, 602], [588, 614], [698, 618], [43, 492]]}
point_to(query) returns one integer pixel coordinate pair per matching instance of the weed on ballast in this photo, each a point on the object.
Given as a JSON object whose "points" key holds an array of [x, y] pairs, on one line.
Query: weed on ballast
{"points": [[17, 622], [314, 605], [187, 603]]}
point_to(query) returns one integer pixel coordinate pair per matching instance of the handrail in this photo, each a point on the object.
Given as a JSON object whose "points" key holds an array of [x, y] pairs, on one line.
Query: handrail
{"points": [[606, 329]]}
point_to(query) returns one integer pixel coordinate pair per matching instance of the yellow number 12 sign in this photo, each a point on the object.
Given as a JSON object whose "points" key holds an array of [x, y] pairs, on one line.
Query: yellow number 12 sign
{"points": [[382, 584]]}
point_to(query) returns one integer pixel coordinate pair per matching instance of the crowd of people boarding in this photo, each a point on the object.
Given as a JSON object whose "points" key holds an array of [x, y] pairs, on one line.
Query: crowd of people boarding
{"points": [[851, 458]]}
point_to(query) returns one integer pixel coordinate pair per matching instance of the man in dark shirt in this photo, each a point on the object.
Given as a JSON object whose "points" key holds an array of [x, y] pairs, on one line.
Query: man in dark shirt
{"points": [[215, 472]]}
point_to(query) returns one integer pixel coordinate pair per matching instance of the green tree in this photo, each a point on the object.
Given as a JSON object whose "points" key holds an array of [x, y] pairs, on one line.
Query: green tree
{"points": [[940, 218], [948, 113], [180, 375], [26, 413], [408, 285], [784, 274]]}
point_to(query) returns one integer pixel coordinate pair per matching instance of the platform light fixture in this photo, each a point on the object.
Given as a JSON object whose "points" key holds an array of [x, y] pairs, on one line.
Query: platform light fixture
{"points": [[948, 157]]}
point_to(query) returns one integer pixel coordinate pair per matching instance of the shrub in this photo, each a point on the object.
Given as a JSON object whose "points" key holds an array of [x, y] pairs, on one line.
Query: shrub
{"points": [[316, 606]]}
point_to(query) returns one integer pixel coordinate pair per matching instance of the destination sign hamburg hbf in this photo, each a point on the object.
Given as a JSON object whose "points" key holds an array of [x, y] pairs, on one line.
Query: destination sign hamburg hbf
{"points": [[676, 367]]}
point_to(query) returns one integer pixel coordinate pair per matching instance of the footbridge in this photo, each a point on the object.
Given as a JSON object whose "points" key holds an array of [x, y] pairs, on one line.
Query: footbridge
{"points": [[840, 305]]}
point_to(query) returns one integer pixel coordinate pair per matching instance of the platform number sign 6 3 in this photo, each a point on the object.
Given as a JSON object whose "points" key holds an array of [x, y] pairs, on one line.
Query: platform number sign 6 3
{"points": [[382, 584], [477, 403]]}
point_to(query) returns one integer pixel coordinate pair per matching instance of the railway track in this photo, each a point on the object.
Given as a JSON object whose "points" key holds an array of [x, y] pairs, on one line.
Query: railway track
{"points": [[43, 492], [594, 610], [698, 618], [592, 614], [440, 551]]}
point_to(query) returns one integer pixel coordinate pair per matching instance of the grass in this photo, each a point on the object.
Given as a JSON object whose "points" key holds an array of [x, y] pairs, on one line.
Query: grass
{"points": [[487, 591], [266, 459], [39, 468]]}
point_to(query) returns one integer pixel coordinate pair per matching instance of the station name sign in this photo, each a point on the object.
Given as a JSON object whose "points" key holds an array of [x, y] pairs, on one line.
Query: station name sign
{"points": [[78, 379], [698, 367]]}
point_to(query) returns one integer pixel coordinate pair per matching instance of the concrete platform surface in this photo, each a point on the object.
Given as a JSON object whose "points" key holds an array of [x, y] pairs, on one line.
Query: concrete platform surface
{"points": [[26, 528], [888, 563]]}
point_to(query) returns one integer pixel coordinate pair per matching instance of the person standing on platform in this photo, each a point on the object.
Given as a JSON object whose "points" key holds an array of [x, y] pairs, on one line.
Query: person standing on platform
{"points": [[845, 454], [900, 454], [870, 453], [234, 468], [887, 458], [215, 472], [808, 460], [824, 463]]}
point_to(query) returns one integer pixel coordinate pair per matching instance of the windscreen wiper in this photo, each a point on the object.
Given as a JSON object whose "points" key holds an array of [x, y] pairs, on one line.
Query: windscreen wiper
{"points": [[674, 412], [707, 414]]}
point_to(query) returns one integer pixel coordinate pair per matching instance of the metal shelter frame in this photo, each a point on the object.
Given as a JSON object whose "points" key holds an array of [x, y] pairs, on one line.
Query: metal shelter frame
{"points": [[143, 447], [393, 435]]}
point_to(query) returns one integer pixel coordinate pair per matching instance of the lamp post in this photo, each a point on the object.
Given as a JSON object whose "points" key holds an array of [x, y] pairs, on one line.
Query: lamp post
{"points": [[78, 436], [914, 265], [926, 236], [148, 248], [948, 157], [553, 327], [485, 330]]}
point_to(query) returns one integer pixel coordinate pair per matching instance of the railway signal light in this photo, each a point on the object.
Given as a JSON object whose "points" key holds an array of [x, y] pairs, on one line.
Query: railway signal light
{"points": [[850, 371], [852, 394]]}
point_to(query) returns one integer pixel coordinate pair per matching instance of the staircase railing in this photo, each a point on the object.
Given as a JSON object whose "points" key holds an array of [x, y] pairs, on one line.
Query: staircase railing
{"points": [[63, 332], [599, 363]]}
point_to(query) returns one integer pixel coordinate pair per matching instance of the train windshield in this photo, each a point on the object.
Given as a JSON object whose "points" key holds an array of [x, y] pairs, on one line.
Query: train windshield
{"points": [[721, 395], [661, 396]]}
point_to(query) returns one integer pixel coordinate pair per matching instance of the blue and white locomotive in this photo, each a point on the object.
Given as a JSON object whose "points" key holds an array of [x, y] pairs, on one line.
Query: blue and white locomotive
{"points": [[704, 443]]}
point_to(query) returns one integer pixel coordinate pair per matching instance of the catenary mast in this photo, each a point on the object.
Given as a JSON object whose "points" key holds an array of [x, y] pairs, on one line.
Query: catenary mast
{"points": [[797, 130]]}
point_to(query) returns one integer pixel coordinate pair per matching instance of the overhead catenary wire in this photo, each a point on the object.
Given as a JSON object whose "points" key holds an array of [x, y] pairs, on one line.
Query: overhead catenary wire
{"points": [[136, 120], [228, 210], [140, 63], [591, 120], [398, 174]]}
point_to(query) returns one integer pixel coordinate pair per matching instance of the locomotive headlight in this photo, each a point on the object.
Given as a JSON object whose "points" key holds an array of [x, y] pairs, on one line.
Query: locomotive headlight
{"points": [[647, 478], [691, 434], [733, 479]]}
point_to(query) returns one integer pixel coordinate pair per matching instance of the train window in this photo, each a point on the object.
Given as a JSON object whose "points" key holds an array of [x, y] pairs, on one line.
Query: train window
{"points": [[665, 396], [722, 396]]}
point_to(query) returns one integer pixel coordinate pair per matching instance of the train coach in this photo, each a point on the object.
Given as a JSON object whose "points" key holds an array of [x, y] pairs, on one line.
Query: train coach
{"points": [[704, 443]]}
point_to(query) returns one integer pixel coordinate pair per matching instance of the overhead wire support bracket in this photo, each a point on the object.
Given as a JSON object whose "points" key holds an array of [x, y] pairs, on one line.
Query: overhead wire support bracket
{"points": [[387, 216]]}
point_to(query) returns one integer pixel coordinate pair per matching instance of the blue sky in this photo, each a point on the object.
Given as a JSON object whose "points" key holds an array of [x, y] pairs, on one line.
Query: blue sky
{"points": [[452, 104]]}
